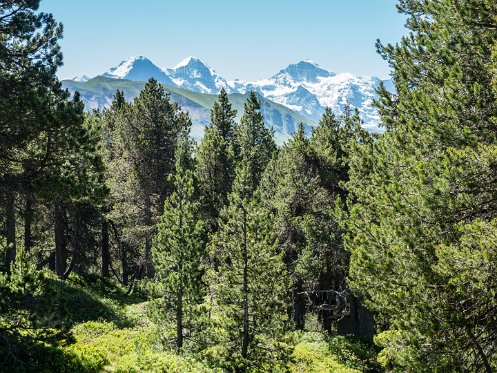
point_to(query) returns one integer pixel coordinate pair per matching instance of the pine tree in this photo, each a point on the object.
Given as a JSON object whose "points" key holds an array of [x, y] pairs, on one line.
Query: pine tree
{"points": [[254, 142], [249, 283], [179, 257], [147, 134], [301, 187], [28, 88], [215, 160], [423, 194]]}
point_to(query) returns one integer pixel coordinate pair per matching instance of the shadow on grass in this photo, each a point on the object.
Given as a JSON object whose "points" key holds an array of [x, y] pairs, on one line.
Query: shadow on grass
{"points": [[40, 354], [34, 335], [79, 299]]}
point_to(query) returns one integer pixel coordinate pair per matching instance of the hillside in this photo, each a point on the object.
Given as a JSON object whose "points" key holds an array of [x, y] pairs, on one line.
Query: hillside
{"points": [[97, 93]]}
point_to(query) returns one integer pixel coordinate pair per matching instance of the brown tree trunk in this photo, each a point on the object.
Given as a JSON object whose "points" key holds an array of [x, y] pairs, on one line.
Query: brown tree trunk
{"points": [[299, 306], [76, 242], [179, 318], [124, 265], [122, 250], [105, 249], [149, 266], [10, 227], [28, 221], [245, 341], [60, 242]]}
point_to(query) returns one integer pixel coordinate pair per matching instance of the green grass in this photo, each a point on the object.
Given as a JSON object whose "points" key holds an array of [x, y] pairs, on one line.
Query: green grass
{"points": [[88, 324]]}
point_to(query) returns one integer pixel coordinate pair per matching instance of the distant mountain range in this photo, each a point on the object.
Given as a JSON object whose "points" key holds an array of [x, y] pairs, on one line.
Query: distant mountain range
{"points": [[298, 93]]}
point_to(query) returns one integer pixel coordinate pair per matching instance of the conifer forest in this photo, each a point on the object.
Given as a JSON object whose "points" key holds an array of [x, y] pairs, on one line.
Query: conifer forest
{"points": [[128, 246]]}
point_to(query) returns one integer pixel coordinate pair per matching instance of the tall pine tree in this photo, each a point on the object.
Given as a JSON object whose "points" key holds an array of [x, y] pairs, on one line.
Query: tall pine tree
{"points": [[215, 160], [422, 228], [179, 258], [249, 283], [147, 137], [254, 142]]}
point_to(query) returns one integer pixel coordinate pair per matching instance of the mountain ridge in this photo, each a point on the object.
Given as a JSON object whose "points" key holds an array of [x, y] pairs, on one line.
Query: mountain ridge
{"points": [[304, 87]]}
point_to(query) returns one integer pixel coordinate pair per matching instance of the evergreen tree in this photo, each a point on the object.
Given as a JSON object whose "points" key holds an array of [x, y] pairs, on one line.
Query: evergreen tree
{"points": [[302, 186], [254, 142], [179, 257], [424, 195], [215, 160], [107, 122], [249, 284], [29, 58], [147, 136]]}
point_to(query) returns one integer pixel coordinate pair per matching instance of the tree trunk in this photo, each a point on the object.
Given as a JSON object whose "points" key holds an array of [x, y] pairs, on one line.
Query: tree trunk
{"points": [[10, 255], [149, 266], [60, 242], [298, 306], [124, 265], [245, 342], [122, 250], [76, 242], [51, 262], [28, 220], [179, 318], [105, 249]]}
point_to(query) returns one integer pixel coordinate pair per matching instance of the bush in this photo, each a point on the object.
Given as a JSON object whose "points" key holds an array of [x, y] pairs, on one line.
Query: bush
{"points": [[312, 355], [354, 352]]}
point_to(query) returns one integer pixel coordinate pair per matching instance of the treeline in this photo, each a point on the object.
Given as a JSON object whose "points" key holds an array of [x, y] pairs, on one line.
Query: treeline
{"points": [[238, 242]]}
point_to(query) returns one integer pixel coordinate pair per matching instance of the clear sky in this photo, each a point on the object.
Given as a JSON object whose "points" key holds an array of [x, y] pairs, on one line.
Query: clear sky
{"points": [[245, 39]]}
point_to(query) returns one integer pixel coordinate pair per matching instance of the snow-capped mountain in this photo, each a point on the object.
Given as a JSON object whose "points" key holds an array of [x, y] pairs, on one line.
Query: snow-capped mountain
{"points": [[304, 71], [307, 89], [138, 69], [194, 75], [304, 87]]}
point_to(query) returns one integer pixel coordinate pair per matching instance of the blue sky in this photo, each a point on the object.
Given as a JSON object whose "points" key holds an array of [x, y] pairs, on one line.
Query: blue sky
{"points": [[249, 39]]}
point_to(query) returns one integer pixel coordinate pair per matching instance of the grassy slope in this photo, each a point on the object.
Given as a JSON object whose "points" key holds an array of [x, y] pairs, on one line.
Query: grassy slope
{"points": [[104, 329], [101, 90]]}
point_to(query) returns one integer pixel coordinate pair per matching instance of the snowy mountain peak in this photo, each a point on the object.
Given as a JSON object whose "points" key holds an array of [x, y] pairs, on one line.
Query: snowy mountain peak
{"points": [[304, 87], [138, 68], [121, 70], [303, 71], [190, 61], [192, 73]]}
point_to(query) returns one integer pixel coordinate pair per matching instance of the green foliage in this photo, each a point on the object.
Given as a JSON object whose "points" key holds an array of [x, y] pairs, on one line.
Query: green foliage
{"points": [[215, 160], [144, 140], [302, 185], [354, 352], [128, 350], [179, 259], [247, 284], [424, 198], [312, 355], [254, 142]]}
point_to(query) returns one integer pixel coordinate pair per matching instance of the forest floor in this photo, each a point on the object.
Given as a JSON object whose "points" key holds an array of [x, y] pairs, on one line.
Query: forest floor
{"points": [[92, 325]]}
